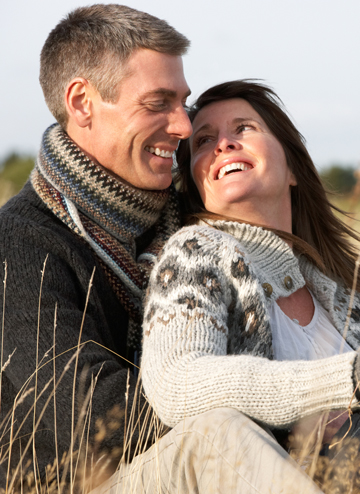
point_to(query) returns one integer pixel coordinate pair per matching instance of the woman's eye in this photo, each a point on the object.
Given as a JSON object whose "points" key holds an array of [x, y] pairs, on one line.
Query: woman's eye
{"points": [[244, 127], [202, 140]]}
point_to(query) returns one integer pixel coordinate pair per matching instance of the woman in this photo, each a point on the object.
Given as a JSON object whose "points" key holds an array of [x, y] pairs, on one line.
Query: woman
{"points": [[246, 307]]}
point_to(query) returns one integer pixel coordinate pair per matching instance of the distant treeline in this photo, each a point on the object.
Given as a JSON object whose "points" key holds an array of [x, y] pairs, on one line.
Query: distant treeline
{"points": [[340, 178], [15, 170]]}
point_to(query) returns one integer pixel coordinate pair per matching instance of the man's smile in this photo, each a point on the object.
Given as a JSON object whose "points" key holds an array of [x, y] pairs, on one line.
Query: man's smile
{"points": [[159, 152]]}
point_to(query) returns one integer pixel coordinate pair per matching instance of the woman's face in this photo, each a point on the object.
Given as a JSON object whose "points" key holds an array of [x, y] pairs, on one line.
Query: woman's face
{"points": [[238, 166]]}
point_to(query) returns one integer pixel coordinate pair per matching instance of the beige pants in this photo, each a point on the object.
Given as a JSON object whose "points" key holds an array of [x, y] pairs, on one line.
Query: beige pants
{"points": [[220, 451]]}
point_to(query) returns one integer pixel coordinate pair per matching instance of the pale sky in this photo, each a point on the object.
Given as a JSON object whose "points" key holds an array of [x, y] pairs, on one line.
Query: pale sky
{"points": [[307, 50]]}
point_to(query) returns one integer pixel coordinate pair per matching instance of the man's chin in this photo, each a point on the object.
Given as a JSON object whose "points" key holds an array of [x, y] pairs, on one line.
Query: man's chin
{"points": [[159, 183]]}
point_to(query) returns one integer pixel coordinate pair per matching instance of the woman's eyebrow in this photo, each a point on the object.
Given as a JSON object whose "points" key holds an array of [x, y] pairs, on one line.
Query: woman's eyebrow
{"points": [[235, 121], [204, 127], [239, 120]]}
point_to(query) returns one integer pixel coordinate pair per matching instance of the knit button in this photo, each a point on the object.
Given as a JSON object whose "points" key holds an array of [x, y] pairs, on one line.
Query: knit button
{"points": [[288, 282], [268, 289]]}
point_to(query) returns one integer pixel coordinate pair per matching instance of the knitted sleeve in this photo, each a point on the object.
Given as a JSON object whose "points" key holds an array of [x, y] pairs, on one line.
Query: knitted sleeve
{"points": [[185, 366]]}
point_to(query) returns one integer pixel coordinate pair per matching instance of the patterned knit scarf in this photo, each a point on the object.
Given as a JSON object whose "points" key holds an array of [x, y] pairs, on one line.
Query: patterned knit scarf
{"points": [[114, 218]]}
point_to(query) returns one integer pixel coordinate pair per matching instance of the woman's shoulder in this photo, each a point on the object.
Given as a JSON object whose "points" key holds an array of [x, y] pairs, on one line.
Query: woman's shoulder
{"points": [[197, 246], [253, 240], [200, 237]]}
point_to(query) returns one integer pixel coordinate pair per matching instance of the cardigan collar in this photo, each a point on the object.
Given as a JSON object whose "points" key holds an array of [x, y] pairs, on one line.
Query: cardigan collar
{"points": [[274, 260], [271, 257]]}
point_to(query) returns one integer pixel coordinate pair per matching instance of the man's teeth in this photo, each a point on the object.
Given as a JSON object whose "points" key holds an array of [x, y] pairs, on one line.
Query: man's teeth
{"points": [[233, 166], [159, 152]]}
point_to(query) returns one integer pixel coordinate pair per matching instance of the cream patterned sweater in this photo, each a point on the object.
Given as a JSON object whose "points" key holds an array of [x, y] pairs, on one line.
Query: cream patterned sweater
{"points": [[207, 337]]}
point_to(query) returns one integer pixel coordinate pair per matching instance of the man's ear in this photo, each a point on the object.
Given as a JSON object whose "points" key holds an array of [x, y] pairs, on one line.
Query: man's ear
{"points": [[78, 101]]}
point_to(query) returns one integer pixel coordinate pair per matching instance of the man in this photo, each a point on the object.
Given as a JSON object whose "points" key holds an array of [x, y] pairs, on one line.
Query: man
{"points": [[113, 79]]}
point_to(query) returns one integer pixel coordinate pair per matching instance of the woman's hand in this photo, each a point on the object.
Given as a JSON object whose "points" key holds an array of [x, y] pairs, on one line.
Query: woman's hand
{"points": [[307, 432]]}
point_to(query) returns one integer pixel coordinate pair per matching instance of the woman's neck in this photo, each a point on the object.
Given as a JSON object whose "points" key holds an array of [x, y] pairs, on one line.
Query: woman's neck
{"points": [[277, 218]]}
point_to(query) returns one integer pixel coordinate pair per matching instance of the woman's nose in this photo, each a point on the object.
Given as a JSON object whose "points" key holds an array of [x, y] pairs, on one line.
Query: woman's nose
{"points": [[225, 144]]}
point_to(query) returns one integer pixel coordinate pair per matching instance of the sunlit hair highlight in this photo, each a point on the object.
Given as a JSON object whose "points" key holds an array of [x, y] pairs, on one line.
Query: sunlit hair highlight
{"points": [[94, 43], [313, 219]]}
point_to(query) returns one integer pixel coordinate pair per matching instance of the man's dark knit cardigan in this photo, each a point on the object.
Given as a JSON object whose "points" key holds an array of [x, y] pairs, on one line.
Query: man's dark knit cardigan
{"points": [[29, 234]]}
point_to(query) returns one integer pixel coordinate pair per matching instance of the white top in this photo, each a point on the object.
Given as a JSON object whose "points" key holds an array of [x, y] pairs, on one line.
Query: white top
{"points": [[319, 339]]}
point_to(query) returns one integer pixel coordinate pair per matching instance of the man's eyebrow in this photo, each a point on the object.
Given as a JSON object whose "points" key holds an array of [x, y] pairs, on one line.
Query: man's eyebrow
{"points": [[161, 91]]}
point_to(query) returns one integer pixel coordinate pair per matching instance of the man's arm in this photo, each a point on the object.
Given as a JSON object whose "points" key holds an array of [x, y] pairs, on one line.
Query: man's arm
{"points": [[43, 255]]}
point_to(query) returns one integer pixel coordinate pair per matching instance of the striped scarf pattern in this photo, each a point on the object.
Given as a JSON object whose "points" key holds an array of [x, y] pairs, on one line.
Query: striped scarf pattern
{"points": [[114, 218]]}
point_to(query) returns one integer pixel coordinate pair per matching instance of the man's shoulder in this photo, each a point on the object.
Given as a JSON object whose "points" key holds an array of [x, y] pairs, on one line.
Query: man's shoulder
{"points": [[27, 224], [24, 208]]}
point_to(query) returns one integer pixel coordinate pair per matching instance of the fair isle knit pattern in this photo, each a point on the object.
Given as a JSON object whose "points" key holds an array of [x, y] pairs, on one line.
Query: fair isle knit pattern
{"points": [[207, 329], [109, 215]]}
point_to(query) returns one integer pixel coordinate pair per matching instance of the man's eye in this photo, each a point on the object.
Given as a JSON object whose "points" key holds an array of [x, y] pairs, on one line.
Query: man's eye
{"points": [[157, 105]]}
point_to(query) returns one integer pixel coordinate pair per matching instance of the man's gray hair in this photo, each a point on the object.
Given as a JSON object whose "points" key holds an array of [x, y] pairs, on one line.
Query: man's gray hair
{"points": [[93, 43]]}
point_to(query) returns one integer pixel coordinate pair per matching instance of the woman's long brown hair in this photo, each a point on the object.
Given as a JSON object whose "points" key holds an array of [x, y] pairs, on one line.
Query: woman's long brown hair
{"points": [[317, 232]]}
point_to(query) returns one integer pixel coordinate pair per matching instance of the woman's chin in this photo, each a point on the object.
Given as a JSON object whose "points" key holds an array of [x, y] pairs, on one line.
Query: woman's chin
{"points": [[231, 203]]}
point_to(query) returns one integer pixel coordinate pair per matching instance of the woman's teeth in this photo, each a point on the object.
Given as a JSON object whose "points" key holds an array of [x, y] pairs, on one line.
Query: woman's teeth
{"points": [[232, 167], [159, 152]]}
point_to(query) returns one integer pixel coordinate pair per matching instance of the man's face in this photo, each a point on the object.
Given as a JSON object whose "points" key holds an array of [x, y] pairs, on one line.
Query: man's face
{"points": [[136, 136]]}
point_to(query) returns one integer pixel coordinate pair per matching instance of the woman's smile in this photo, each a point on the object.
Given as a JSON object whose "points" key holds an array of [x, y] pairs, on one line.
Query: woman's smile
{"points": [[236, 166]]}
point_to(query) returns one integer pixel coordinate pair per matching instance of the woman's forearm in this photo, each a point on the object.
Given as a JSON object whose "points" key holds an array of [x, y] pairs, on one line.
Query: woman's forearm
{"points": [[272, 392]]}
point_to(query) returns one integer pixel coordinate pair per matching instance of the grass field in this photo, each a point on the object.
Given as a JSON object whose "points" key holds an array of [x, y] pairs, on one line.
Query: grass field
{"points": [[351, 205]]}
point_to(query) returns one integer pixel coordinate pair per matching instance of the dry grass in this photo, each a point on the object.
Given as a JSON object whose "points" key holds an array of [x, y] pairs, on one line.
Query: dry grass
{"points": [[84, 466], [7, 190], [351, 205], [79, 470]]}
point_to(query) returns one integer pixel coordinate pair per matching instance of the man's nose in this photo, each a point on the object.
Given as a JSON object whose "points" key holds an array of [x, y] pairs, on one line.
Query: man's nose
{"points": [[180, 124]]}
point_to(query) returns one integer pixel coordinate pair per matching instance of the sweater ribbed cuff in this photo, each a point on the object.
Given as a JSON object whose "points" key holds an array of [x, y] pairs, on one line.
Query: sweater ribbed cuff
{"points": [[356, 377]]}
